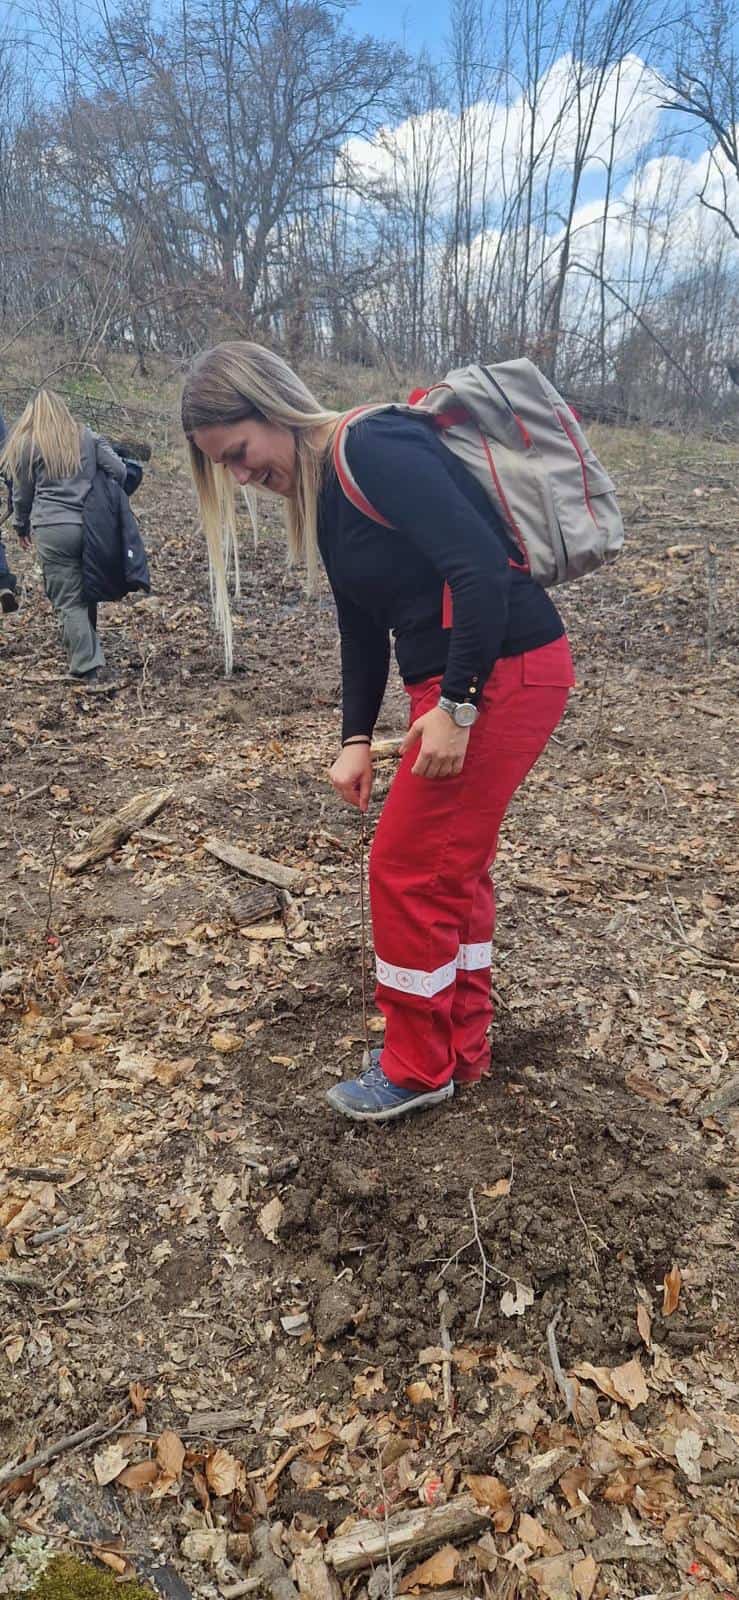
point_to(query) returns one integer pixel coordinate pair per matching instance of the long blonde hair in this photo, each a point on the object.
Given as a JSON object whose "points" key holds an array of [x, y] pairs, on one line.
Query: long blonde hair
{"points": [[47, 432], [228, 384]]}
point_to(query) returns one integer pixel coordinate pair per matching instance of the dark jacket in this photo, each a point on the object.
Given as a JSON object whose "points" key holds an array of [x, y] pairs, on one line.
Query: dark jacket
{"points": [[113, 555], [44, 502]]}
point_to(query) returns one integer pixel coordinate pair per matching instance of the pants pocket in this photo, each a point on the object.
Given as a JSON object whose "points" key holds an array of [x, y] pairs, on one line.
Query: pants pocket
{"points": [[550, 666]]}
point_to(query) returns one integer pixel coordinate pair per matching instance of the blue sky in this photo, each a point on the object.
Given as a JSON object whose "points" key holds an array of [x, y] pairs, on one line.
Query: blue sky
{"points": [[415, 23]]}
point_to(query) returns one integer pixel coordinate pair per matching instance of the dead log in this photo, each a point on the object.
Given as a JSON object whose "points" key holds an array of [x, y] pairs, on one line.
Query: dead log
{"points": [[114, 831], [415, 1531], [234, 855]]}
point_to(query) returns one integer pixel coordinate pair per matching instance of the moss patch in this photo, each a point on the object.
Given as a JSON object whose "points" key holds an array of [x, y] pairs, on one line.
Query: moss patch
{"points": [[66, 1578]]}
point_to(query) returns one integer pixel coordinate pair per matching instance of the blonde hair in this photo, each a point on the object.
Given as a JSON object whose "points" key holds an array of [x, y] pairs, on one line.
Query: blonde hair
{"points": [[230, 383], [47, 432]]}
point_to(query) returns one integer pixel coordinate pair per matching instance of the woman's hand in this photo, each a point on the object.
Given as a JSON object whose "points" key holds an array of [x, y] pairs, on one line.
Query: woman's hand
{"points": [[443, 745], [351, 774], [24, 540]]}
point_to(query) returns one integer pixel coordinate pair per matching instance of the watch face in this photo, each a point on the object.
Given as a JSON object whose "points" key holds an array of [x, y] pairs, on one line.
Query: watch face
{"points": [[465, 715]]}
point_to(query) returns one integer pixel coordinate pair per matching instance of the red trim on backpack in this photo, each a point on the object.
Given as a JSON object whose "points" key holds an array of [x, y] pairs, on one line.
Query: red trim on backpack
{"points": [[523, 430], [448, 419], [518, 536], [583, 468]]}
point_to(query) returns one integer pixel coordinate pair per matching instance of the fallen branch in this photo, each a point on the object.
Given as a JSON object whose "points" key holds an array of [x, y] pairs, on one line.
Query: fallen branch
{"points": [[446, 1345], [69, 1441], [114, 831], [234, 855], [565, 1385], [385, 749], [370, 1542]]}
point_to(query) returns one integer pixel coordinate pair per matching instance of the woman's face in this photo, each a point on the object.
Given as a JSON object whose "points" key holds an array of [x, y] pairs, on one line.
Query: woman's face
{"points": [[258, 453]]}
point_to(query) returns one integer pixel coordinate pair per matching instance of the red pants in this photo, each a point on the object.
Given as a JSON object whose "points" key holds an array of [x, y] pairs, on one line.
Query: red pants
{"points": [[433, 903]]}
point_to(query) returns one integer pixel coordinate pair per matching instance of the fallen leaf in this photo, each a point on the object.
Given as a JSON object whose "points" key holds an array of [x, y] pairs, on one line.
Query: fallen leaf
{"points": [[224, 1473], [492, 1493], [466, 1360], [584, 1574], [554, 1577], [108, 1464], [437, 1572], [419, 1393], [138, 1476], [671, 1290], [688, 1446], [531, 1531], [600, 1376], [109, 1559], [575, 1485], [498, 1189], [369, 1382], [537, 1537], [515, 1305], [223, 1191], [137, 1395], [630, 1384], [644, 1324], [170, 1453], [269, 1219], [14, 1348], [225, 1042]]}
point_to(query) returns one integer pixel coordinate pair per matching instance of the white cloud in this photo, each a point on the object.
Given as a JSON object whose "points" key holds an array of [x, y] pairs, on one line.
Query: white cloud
{"points": [[653, 208]]}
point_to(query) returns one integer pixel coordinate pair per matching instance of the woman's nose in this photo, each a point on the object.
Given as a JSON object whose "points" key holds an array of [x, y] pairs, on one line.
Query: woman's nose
{"points": [[241, 474]]}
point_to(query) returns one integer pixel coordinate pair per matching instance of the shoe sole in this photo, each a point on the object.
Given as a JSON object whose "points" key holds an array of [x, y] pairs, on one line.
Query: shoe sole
{"points": [[8, 601], [433, 1098]]}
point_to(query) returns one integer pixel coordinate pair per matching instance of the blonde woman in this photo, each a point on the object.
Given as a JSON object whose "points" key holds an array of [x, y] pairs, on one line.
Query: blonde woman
{"points": [[486, 687], [52, 461]]}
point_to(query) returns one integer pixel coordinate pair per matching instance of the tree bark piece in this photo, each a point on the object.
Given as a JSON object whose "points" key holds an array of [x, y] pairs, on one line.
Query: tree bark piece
{"points": [[234, 855], [539, 1476], [218, 1421], [114, 831], [371, 1542], [96, 1430]]}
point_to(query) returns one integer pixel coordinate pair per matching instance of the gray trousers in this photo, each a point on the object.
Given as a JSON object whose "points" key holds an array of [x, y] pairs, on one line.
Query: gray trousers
{"points": [[60, 551]]}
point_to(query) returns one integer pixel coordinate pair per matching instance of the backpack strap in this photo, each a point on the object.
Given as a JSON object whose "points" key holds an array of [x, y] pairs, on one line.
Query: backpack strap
{"points": [[344, 472]]}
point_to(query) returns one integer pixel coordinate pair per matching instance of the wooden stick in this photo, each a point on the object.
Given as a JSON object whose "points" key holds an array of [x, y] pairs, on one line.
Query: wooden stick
{"points": [[369, 1542], [386, 749], [114, 831], [69, 1441], [565, 1385], [234, 855]]}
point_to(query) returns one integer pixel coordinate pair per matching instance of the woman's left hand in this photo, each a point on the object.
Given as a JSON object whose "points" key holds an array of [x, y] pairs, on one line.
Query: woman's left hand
{"points": [[443, 745]]}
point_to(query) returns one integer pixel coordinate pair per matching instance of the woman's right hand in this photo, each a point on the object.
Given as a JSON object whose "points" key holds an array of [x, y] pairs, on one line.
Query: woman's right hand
{"points": [[351, 775]]}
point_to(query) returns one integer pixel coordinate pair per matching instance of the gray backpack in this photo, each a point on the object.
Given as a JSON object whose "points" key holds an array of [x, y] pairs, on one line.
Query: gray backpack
{"points": [[521, 441]]}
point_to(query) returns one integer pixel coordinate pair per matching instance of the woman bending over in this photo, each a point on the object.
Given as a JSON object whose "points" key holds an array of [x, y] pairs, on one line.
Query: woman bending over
{"points": [[486, 686]]}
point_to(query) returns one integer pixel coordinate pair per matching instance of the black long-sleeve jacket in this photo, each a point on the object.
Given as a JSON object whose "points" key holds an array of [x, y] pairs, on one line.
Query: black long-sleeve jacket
{"points": [[444, 529]]}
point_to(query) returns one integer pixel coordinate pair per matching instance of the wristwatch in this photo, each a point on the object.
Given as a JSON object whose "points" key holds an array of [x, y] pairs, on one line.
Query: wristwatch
{"points": [[461, 711]]}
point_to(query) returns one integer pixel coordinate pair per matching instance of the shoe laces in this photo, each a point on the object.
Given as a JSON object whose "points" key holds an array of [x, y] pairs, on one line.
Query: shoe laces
{"points": [[374, 1077]]}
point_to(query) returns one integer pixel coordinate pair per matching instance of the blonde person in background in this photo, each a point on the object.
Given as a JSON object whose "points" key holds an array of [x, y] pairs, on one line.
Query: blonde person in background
{"points": [[52, 460]]}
